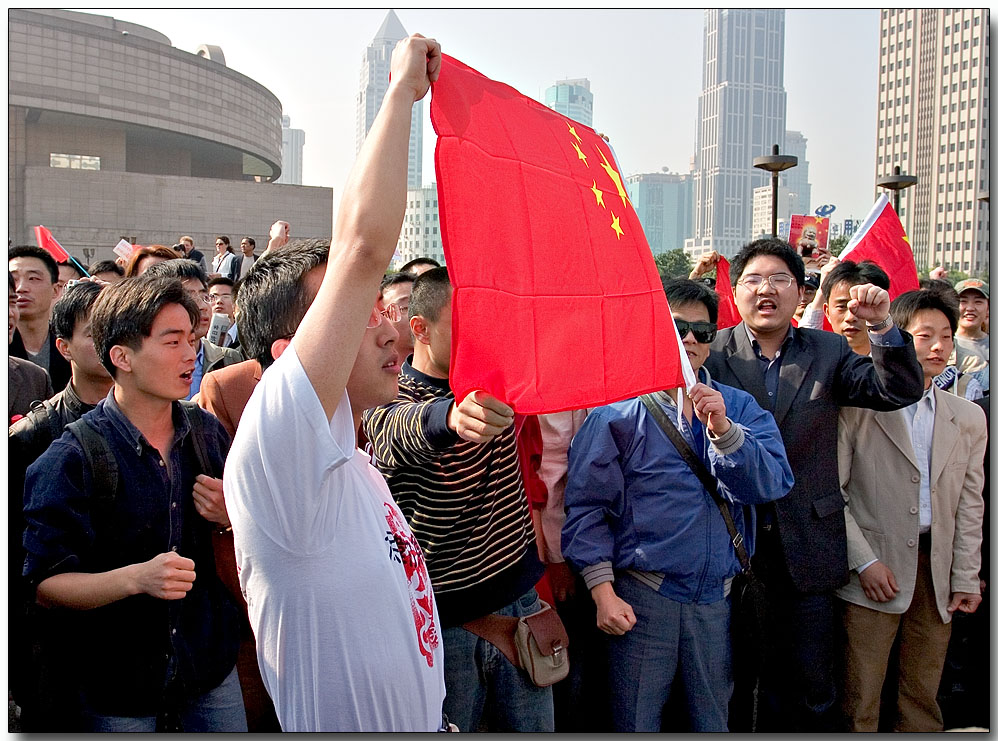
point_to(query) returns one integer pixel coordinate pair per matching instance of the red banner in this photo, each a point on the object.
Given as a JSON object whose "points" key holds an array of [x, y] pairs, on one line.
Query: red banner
{"points": [[557, 301], [881, 239]]}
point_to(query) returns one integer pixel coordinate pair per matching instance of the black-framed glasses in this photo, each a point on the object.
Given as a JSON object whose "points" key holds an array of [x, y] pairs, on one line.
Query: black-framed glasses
{"points": [[702, 331]]}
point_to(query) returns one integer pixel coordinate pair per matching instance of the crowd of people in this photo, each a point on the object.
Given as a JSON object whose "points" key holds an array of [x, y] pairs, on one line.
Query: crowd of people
{"points": [[244, 497]]}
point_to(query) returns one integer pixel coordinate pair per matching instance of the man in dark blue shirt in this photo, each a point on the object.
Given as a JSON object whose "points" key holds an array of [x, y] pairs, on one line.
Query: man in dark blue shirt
{"points": [[146, 637]]}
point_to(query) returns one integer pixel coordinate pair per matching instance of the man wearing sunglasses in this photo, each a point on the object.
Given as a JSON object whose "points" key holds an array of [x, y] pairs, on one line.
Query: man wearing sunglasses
{"points": [[650, 541], [803, 377]]}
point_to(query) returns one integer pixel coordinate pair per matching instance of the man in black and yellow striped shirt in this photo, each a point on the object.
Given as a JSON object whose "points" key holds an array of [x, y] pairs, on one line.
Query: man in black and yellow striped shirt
{"points": [[454, 472]]}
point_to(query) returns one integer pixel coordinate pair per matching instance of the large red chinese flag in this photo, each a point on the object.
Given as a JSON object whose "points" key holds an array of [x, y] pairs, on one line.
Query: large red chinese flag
{"points": [[727, 312], [881, 239], [48, 243], [557, 302]]}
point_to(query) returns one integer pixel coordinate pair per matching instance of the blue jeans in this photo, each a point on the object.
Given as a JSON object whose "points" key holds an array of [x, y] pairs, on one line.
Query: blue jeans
{"points": [[668, 635], [475, 670], [219, 710]]}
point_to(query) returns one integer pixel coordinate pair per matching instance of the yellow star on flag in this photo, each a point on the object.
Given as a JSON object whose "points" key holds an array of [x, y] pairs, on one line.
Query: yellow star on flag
{"points": [[599, 194], [581, 155], [571, 130], [614, 176], [616, 225]]}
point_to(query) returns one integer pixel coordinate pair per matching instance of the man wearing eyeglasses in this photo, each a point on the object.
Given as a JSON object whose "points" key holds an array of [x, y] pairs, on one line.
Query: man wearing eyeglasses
{"points": [[395, 291], [803, 377], [651, 543], [454, 471], [336, 584]]}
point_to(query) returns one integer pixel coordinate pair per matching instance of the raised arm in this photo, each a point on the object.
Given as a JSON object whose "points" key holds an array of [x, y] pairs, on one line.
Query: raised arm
{"points": [[367, 228]]}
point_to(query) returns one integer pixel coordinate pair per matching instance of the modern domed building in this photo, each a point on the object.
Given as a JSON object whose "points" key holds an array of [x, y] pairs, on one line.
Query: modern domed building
{"points": [[115, 133]]}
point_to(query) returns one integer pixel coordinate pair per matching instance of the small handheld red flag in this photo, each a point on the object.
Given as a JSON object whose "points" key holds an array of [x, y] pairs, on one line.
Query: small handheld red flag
{"points": [[48, 243], [557, 303], [881, 239], [727, 312]]}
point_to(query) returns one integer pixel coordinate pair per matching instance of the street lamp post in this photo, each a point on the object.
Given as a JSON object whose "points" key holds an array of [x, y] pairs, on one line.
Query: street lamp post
{"points": [[775, 163], [897, 182]]}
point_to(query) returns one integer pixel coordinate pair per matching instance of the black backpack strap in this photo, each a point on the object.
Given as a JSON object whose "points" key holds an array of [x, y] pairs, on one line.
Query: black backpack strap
{"points": [[697, 466], [99, 459], [193, 412]]}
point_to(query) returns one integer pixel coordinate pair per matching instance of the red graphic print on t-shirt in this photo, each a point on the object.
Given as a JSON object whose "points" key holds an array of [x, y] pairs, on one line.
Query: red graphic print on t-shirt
{"points": [[408, 552]]}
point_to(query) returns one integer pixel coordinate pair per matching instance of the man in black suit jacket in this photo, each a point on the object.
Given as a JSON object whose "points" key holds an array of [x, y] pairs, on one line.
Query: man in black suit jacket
{"points": [[803, 377]]}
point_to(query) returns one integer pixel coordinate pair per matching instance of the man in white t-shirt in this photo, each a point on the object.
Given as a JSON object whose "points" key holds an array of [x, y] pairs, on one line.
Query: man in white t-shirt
{"points": [[338, 594]]}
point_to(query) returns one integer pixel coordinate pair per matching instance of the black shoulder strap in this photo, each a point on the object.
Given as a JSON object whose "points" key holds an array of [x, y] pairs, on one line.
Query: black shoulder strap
{"points": [[697, 466], [193, 412], [99, 459]]}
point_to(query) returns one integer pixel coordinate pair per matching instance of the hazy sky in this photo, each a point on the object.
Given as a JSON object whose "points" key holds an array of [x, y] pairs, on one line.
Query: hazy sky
{"points": [[644, 66]]}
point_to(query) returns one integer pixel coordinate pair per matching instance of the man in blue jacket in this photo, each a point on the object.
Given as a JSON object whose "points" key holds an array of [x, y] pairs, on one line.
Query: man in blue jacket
{"points": [[650, 542]]}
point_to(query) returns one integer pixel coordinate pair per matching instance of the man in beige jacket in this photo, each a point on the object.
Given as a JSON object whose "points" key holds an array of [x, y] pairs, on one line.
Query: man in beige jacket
{"points": [[912, 482]]}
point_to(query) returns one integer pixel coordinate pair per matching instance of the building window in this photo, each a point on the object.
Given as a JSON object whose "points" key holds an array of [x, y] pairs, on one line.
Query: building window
{"points": [[74, 161]]}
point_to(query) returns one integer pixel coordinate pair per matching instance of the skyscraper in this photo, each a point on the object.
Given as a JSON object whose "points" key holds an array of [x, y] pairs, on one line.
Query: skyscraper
{"points": [[742, 114], [795, 179], [662, 200], [374, 84], [933, 122], [420, 235], [292, 144], [571, 98]]}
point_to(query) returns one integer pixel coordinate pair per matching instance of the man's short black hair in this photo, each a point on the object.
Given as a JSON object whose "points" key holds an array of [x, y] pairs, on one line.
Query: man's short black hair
{"points": [[29, 250], [681, 291], [222, 281], [396, 279], [251, 241], [855, 274], [272, 299], [106, 266], [74, 267], [905, 306], [772, 247], [943, 287], [430, 294], [419, 261], [181, 268], [123, 314], [73, 307]]}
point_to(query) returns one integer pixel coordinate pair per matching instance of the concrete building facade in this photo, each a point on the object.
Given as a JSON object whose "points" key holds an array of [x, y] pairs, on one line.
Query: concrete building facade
{"points": [[663, 201], [374, 71], [934, 122], [742, 114], [762, 208], [292, 153], [420, 235], [571, 98], [114, 133]]}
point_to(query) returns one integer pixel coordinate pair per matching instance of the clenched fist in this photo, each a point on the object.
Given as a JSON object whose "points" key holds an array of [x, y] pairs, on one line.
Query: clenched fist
{"points": [[167, 576]]}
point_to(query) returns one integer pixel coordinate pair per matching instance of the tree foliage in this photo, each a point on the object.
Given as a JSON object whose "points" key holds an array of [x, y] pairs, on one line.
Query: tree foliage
{"points": [[835, 246], [673, 264]]}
